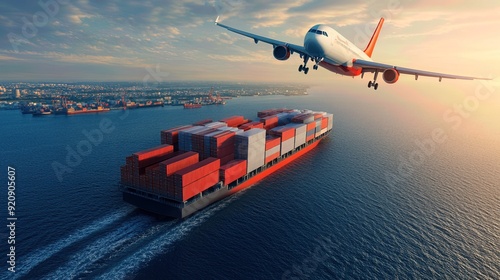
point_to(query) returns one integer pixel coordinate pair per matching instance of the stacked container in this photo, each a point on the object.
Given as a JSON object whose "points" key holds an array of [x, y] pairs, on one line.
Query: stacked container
{"points": [[220, 144], [136, 164], [226, 152], [186, 137], [171, 136], [234, 121], [273, 148], [251, 125], [287, 135], [196, 178], [269, 122], [203, 122], [216, 125], [250, 145], [300, 133], [233, 170], [311, 130]]}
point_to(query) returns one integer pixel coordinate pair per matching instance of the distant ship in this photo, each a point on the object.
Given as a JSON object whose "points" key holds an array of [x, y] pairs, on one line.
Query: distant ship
{"points": [[192, 105], [199, 164], [42, 112], [84, 110]]}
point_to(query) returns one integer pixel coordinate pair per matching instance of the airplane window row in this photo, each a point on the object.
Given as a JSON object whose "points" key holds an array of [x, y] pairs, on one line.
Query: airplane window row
{"points": [[312, 30]]}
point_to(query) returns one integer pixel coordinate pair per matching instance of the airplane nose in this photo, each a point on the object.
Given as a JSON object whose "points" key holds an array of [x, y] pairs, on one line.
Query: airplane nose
{"points": [[313, 47]]}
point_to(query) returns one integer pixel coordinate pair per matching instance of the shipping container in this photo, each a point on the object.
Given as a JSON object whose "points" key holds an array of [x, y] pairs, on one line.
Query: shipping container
{"points": [[203, 122], [251, 125], [300, 133], [233, 170], [250, 145], [284, 132], [272, 157], [199, 185], [195, 172], [234, 121], [287, 145], [273, 151], [272, 141], [153, 152], [172, 165], [171, 136], [330, 121]]}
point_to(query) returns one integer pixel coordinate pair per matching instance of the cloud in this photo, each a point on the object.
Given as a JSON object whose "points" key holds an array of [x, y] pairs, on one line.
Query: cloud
{"points": [[124, 34]]}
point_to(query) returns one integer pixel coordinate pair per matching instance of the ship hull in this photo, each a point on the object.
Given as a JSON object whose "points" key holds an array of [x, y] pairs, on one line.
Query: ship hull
{"points": [[77, 112]]}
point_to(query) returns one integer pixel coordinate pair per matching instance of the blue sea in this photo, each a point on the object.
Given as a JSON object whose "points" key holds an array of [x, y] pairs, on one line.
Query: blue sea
{"points": [[402, 189]]}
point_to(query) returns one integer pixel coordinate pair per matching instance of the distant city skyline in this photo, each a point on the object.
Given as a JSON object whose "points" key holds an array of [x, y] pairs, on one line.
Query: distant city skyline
{"points": [[158, 41]]}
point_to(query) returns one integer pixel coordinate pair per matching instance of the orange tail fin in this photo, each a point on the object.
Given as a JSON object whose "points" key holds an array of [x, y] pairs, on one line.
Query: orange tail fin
{"points": [[373, 40]]}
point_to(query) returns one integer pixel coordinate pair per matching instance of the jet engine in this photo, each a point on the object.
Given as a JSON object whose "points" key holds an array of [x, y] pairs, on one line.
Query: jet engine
{"points": [[391, 76], [281, 53]]}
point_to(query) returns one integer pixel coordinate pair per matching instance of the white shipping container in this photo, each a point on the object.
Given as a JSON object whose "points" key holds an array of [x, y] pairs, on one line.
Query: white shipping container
{"points": [[300, 139], [251, 145], [216, 124], [330, 121], [287, 145], [273, 151]]}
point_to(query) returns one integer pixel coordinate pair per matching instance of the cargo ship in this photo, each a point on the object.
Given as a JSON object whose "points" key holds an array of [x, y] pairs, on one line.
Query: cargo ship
{"points": [[84, 110], [199, 164], [192, 105]]}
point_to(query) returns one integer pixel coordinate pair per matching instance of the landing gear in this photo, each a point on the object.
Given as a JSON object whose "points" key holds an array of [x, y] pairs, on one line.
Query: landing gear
{"points": [[315, 67], [304, 68], [374, 84]]}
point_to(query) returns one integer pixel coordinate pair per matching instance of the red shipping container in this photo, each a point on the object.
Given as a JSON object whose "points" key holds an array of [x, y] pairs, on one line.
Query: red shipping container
{"points": [[226, 159], [172, 165], [200, 185], [196, 171], [324, 123], [154, 152], [203, 122], [225, 138], [318, 116], [251, 125], [270, 121], [233, 170], [311, 126], [234, 121], [284, 132], [272, 157], [309, 138], [171, 136], [272, 142]]}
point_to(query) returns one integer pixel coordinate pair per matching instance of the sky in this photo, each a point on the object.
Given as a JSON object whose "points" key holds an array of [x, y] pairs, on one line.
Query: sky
{"points": [[90, 40]]}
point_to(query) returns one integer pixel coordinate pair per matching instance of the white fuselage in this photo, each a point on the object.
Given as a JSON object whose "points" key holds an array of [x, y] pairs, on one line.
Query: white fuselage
{"points": [[337, 52]]}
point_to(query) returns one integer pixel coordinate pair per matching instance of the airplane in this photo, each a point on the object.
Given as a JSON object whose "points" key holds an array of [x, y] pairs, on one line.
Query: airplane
{"points": [[327, 48]]}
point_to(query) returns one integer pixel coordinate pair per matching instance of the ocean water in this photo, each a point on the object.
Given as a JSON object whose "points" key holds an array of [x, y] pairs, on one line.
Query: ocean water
{"points": [[377, 199]]}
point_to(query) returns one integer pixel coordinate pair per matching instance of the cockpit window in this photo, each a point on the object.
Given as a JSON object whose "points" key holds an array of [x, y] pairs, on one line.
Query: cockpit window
{"points": [[320, 32]]}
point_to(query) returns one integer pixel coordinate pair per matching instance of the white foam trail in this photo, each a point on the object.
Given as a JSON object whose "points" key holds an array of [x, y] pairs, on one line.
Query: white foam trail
{"points": [[138, 259], [95, 251], [34, 259]]}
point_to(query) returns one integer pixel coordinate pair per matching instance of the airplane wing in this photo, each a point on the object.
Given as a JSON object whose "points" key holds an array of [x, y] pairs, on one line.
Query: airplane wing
{"points": [[292, 47], [371, 66]]}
